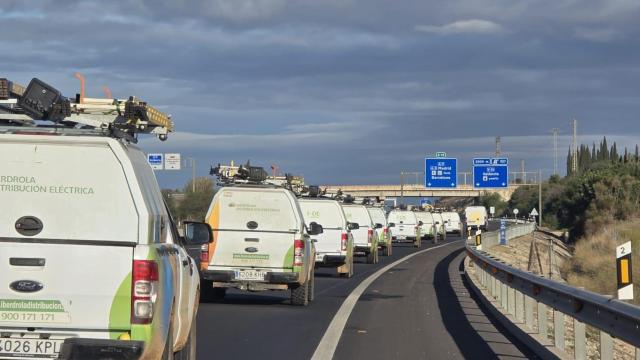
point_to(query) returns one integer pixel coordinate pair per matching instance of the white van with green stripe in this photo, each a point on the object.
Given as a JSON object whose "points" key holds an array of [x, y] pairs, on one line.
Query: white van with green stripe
{"points": [[91, 264], [260, 242]]}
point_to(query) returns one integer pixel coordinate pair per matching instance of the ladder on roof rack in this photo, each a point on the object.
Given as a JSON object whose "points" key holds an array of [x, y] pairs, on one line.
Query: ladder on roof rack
{"points": [[123, 118]]}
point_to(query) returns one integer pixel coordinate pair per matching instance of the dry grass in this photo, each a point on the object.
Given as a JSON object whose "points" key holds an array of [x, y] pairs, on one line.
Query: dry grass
{"points": [[593, 265]]}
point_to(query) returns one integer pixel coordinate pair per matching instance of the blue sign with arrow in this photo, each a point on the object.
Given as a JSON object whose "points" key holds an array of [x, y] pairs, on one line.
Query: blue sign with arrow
{"points": [[440, 173], [491, 172]]}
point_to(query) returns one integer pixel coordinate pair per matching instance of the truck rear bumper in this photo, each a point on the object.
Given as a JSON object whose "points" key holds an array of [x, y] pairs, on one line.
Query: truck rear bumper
{"points": [[85, 348], [362, 248], [332, 260], [271, 277]]}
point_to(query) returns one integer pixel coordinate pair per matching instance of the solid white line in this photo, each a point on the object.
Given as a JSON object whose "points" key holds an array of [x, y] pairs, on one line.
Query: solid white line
{"points": [[329, 342]]}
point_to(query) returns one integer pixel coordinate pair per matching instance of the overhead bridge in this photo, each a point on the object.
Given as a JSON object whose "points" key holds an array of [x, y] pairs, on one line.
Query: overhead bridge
{"points": [[417, 190]]}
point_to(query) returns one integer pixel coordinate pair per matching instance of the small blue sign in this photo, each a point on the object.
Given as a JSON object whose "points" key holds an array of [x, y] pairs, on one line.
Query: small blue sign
{"points": [[424, 202], [503, 231], [156, 161], [440, 173], [490, 172]]}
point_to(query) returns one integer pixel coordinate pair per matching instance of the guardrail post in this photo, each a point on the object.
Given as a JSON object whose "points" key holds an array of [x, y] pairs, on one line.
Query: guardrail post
{"points": [[519, 306], [503, 295], [511, 301], [580, 340], [493, 288], [543, 329], [637, 353], [529, 303], [558, 329], [606, 346]]}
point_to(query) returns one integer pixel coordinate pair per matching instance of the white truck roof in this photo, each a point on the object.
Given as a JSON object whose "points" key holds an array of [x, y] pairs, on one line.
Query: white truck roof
{"points": [[327, 213]]}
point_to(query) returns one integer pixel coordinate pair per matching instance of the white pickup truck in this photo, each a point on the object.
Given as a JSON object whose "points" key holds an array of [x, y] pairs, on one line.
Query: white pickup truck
{"points": [[91, 265]]}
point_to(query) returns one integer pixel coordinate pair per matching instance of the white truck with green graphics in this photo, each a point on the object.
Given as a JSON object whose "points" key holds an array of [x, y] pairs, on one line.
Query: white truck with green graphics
{"points": [[381, 230], [364, 239], [91, 264], [260, 243], [334, 247]]}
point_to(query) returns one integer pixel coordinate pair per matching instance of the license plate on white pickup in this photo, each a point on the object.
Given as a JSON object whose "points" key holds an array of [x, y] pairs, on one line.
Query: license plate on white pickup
{"points": [[250, 275], [29, 348], [401, 237]]}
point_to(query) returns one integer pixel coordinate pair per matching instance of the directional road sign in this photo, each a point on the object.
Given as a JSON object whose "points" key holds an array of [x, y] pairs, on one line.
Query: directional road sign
{"points": [[490, 172], [440, 173], [172, 161], [156, 161]]}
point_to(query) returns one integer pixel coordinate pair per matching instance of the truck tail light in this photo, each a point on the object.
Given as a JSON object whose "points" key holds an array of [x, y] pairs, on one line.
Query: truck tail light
{"points": [[343, 241], [370, 235], [298, 252], [144, 289], [204, 256]]}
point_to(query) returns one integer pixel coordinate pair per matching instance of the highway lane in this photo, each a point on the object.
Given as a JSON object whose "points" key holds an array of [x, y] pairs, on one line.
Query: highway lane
{"points": [[263, 325]]}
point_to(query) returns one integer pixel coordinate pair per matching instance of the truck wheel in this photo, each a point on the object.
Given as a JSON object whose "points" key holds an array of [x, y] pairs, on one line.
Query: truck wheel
{"points": [[312, 286], [300, 294], [370, 257], [188, 352], [208, 293], [388, 249]]}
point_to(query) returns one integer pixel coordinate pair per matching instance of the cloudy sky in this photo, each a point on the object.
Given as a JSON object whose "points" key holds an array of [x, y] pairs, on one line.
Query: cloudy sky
{"points": [[346, 91]]}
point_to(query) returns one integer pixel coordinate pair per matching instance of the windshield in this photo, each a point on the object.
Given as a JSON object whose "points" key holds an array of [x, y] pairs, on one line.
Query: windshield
{"points": [[329, 214], [377, 215], [357, 214]]}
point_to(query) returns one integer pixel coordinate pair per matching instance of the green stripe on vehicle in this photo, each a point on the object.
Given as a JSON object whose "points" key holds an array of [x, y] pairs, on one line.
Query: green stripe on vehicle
{"points": [[120, 313]]}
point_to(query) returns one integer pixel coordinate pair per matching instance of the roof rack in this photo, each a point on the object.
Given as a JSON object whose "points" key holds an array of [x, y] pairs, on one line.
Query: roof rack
{"points": [[119, 118], [230, 175]]}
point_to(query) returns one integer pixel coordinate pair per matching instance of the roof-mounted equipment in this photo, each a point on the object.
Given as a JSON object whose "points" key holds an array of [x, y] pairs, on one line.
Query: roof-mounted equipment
{"points": [[39, 101]]}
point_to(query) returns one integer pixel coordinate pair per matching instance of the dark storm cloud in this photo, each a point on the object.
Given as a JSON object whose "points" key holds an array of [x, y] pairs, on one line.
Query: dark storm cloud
{"points": [[346, 90]]}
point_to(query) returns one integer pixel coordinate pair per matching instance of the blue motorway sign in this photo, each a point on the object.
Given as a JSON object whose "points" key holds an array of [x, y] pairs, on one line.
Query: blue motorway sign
{"points": [[156, 161], [440, 172], [490, 172]]}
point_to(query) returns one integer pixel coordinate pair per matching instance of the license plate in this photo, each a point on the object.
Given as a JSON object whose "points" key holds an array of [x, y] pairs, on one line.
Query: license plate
{"points": [[250, 275], [29, 348], [401, 237]]}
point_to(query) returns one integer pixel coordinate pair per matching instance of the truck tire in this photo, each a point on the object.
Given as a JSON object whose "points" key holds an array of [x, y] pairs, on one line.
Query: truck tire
{"points": [[388, 250], [208, 293], [312, 286], [188, 352], [300, 294], [370, 257]]}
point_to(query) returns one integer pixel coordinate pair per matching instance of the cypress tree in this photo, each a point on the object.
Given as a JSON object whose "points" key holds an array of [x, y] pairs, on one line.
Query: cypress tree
{"points": [[569, 172], [637, 155], [614, 153], [605, 149], [593, 153]]}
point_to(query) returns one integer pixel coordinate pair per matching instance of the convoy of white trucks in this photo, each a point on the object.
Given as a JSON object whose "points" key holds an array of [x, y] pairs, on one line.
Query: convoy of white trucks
{"points": [[93, 264]]}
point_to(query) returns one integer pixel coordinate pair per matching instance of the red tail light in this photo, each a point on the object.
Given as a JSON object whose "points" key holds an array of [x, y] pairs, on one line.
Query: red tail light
{"points": [[370, 235], [344, 240], [385, 231], [204, 256], [298, 252], [144, 287]]}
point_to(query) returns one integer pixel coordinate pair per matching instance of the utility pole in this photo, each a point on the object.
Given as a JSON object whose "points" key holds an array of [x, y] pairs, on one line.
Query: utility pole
{"points": [[540, 197], [192, 161], [401, 187], [524, 176], [498, 146], [574, 147], [555, 150]]}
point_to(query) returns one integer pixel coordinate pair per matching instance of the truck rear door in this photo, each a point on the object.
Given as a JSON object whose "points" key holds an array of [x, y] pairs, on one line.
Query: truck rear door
{"points": [[253, 228], [67, 236]]}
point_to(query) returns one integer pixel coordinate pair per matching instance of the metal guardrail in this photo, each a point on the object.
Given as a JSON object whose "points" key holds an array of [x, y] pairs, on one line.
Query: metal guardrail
{"points": [[519, 293], [492, 238]]}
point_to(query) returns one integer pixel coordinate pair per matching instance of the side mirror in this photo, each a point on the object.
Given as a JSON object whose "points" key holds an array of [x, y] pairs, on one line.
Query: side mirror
{"points": [[315, 229], [391, 224], [420, 223], [353, 226], [197, 233], [379, 226], [437, 223]]}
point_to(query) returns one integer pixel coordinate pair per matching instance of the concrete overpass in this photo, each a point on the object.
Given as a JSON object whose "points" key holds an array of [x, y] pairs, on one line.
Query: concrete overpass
{"points": [[417, 190]]}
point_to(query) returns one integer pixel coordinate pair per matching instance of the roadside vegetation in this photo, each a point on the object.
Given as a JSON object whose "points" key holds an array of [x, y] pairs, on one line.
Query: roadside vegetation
{"points": [[598, 205], [190, 203]]}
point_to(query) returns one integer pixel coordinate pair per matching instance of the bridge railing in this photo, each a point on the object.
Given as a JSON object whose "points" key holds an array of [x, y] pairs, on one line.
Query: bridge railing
{"points": [[526, 298]]}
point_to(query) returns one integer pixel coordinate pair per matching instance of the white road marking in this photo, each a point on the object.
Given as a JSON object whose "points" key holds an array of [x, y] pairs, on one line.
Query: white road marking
{"points": [[329, 342]]}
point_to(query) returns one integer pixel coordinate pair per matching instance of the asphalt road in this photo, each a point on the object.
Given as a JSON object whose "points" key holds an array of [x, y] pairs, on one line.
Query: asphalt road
{"points": [[419, 309]]}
